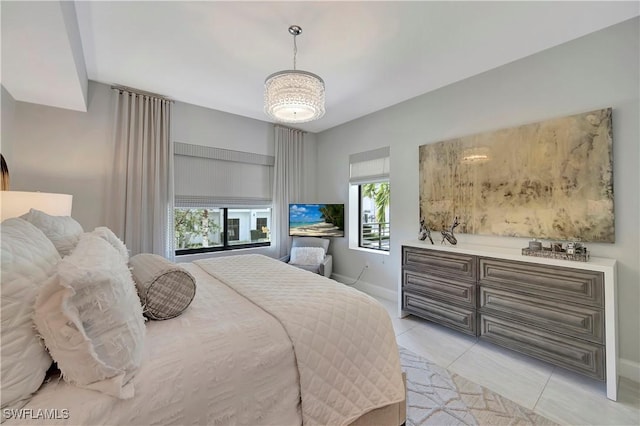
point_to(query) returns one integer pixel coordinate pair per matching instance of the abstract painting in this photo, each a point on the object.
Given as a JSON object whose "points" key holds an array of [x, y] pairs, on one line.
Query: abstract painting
{"points": [[548, 180]]}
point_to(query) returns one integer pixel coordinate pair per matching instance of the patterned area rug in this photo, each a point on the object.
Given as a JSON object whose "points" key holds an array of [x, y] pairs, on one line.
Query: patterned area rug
{"points": [[436, 396]]}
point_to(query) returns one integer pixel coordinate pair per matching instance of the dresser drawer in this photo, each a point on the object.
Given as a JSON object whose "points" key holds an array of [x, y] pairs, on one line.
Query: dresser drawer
{"points": [[439, 263], [459, 318], [574, 320], [446, 290], [550, 282], [577, 355]]}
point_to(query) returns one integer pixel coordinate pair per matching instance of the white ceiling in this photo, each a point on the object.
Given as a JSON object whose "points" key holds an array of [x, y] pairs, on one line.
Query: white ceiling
{"points": [[371, 55]]}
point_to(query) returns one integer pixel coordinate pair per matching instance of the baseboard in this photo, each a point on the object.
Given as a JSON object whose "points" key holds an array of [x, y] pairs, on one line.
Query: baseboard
{"points": [[629, 369], [371, 289]]}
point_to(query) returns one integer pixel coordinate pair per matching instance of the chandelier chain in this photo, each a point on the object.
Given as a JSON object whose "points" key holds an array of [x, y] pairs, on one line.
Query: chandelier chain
{"points": [[295, 51]]}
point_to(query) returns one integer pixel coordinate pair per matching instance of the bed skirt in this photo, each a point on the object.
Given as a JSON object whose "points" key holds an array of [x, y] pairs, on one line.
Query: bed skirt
{"points": [[392, 415]]}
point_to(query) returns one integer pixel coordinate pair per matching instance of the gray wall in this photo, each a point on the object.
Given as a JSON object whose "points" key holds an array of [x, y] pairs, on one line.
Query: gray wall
{"points": [[6, 125], [597, 71], [59, 150]]}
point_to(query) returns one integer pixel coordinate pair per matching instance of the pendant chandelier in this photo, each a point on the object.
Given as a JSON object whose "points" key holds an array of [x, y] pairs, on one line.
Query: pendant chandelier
{"points": [[294, 96]]}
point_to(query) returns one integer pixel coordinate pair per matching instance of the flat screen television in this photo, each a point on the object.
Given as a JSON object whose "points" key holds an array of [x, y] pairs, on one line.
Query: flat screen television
{"points": [[316, 220]]}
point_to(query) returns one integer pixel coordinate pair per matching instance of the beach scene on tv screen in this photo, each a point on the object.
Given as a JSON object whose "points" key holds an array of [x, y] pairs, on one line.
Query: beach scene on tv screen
{"points": [[317, 220]]}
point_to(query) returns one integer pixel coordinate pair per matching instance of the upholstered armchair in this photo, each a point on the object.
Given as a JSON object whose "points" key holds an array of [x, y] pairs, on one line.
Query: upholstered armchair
{"points": [[310, 253]]}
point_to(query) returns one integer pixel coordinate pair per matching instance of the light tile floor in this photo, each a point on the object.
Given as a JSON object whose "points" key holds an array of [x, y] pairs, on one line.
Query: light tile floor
{"points": [[553, 392]]}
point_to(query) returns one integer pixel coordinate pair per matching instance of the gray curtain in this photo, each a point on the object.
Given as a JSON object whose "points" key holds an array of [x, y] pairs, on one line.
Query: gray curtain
{"points": [[141, 211], [287, 183]]}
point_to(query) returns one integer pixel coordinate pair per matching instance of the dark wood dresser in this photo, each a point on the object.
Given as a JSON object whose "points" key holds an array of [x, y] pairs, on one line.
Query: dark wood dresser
{"points": [[561, 312]]}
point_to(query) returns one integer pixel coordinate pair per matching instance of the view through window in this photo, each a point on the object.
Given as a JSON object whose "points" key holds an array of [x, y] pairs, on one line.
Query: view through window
{"points": [[374, 216]]}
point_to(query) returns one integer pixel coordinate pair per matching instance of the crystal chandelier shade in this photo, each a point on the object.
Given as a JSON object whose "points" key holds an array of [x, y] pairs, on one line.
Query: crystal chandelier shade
{"points": [[294, 96]]}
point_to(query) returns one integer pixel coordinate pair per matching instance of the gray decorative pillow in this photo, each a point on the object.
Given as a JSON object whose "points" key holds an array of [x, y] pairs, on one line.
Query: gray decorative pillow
{"points": [[165, 289]]}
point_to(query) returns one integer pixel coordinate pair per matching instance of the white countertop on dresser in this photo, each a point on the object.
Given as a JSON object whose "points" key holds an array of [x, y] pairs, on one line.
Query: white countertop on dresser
{"points": [[594, 264]]}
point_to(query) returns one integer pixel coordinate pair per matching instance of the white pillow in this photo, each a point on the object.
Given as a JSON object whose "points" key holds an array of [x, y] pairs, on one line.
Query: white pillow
{"points": [[28, 259], [306, 255], [108, 235], [91, 320], [63, 231]]}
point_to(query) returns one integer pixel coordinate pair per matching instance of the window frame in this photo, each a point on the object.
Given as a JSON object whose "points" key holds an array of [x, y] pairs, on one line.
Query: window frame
{"points": [[360, 214], [225, 237]]}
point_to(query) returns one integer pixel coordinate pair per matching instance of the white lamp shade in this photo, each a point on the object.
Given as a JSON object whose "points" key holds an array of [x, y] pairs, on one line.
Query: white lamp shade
{"points": [[17, 203]]}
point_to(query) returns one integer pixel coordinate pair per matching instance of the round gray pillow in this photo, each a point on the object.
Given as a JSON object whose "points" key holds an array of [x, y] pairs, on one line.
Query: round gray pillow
{"points": [[165, 289]]}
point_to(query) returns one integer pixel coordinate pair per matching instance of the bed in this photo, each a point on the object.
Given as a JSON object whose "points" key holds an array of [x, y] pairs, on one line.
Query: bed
{"points": [[262, 343]]}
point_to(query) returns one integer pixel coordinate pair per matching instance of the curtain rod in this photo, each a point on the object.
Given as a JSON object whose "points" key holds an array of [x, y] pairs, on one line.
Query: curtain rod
{"points": [[141, 92], [290, 128]]}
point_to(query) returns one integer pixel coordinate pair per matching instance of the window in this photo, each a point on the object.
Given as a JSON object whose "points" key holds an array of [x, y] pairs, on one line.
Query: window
{"points": [[262, 226], [199, 230], [223, 199], [374, 228], [233, 230], [370, 193]]}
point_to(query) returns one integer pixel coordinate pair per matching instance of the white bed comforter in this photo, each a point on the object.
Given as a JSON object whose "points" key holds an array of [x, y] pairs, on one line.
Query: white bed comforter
{"points": [[224, 361], [344, 342], [228, 361]]}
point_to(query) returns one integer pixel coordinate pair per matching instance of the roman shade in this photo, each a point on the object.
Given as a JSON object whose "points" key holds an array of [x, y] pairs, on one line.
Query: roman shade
{"points": [[369, 166], [215, 177]]}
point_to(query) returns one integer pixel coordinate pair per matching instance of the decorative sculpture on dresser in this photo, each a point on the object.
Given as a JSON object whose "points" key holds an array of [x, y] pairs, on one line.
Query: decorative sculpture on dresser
{"points": [[448, 234], [425, 232]]}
